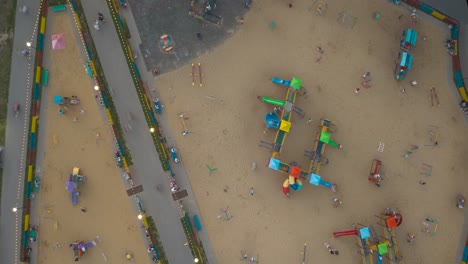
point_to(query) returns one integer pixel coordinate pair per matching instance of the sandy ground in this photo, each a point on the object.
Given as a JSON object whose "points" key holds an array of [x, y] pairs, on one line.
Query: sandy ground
{"points": [[227, 126], [109, 214]]}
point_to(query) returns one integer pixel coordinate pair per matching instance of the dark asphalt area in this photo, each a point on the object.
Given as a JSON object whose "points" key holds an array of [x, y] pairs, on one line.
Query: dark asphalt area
{"points": [[157, 17]]}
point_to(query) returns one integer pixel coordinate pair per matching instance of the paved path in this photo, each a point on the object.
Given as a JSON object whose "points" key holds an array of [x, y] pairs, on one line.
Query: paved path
{"points": [[189, 203], [147, 169], [457, 9], [16, 136]]}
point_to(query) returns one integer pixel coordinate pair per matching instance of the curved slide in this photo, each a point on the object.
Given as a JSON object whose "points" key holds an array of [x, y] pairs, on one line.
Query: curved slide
{"points": [[346, 233]]}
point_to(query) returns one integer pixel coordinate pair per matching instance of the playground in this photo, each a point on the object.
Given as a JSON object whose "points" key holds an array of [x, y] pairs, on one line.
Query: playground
{"points": [[82, 209], [330, 50]]}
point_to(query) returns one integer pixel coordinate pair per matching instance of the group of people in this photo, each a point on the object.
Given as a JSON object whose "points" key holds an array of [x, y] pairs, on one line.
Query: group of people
{"points": [[450, 45]]}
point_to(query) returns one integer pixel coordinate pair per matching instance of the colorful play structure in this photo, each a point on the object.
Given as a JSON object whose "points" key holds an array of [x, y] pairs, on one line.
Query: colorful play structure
{"points": [[282, 123], [73, 184], [405, 60], [371, 246], [403, 65], [63, 100], [408, 39], [80, 247]]}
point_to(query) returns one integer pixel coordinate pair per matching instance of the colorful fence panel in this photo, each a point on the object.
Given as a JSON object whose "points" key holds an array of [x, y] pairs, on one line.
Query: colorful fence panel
{"points": [[33, 129]]}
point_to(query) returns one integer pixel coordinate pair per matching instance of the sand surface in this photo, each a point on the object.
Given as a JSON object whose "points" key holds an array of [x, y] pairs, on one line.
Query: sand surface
{"points": [[109, 214], [225, 121]]}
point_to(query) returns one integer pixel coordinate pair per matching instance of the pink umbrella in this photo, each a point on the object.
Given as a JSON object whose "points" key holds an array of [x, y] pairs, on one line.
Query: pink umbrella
{"points": [[58, 41]]}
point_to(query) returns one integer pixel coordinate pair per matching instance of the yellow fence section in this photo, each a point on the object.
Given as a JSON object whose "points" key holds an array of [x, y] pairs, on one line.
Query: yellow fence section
{"points": [[30, 173], [110, 117], [33, 124], [438, 15], [38, 74], [26, 222], [463, 93], [93, 69], [43, 23]]}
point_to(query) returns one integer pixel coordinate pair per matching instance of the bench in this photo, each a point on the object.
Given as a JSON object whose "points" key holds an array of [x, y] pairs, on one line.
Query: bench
{"points": [[59, 8], [45, 77]]}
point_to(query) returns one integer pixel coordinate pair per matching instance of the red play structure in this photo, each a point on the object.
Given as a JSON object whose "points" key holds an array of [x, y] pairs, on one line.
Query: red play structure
{"points": [[353, 232]]}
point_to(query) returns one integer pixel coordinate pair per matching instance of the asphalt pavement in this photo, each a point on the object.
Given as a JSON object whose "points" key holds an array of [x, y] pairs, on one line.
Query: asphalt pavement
{"points": [[147, 169], [14, 153]]}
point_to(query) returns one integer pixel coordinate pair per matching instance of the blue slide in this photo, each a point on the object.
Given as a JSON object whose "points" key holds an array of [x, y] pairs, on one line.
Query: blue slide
{"points": [[281, 81], [73, 196]]}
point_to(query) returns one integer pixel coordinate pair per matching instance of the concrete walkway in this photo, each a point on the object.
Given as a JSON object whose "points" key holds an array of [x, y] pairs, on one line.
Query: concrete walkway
{"points": [[14, 153], [147, 169], [189, 203]]}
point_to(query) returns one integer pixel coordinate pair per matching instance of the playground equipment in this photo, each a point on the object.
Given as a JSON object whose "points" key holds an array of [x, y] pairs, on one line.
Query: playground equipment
{"points": [[323, 138], [272, 120], [430, 226], [402, 65], [182, 119], [283, 126], [374, 176], [408, 40], [158, 106], [390, 220], [80, 247], [63, 100], [73, 183], [174, 154], [434, 97], [364, 238], [373, 247], [16, 109], [295, 82], [166, 43]]}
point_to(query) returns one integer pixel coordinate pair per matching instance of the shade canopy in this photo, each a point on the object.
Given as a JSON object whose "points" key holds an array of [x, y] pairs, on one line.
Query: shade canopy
{"points": [[58, 41], [285, 126], [274, 164], [296, 83], [58, 100]]}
